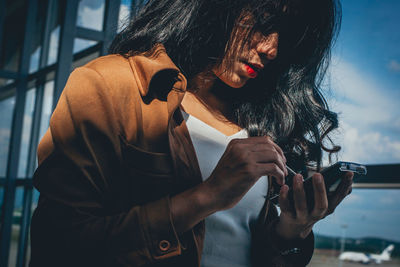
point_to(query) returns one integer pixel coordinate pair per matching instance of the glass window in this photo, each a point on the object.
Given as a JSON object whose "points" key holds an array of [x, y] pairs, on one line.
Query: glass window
{"points": [[124, 13], [34, 61], [91, 14], [26, 132], [13, 35], [7, 103], [38, 36], [16, 228], [35, 199], [81, 44], [5, 82], [46, 108], [57, 15], [53, 46]]}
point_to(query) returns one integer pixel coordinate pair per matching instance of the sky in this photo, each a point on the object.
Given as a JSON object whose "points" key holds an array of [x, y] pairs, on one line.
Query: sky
{"points": [[365, 213], [363, 78]]}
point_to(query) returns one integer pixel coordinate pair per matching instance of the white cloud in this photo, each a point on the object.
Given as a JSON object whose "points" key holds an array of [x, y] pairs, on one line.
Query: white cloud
{"points": [[370, 147], [359, 98], [353, 198], [390, 197], [387, 201], [396, 123], [365, 110], [394, 65]]}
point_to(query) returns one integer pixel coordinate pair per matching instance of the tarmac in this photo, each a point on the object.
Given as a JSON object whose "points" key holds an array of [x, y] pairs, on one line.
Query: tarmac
{"points": [[330, 258]]}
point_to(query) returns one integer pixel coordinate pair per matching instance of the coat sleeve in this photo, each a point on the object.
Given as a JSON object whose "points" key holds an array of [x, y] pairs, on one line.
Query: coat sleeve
{"points": [[76, 179], [272, 251]]}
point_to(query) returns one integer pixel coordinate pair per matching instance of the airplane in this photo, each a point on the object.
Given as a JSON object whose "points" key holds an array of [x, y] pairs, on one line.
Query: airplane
{"points": [[367, 258]]}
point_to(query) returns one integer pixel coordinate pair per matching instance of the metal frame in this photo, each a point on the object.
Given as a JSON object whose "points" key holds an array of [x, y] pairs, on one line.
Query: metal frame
{"points": [[8, 74], [66, 45], [15, 141], [19, 182], [90, 34], [379, 176], [33, 142], [110, 24]]}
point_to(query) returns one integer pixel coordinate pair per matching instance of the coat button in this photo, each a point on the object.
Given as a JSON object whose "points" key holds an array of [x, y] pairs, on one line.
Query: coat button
{"points": [[164, 245]]}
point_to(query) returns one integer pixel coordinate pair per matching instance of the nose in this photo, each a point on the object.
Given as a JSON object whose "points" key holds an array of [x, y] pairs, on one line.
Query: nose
{"points": [[269, 46]]}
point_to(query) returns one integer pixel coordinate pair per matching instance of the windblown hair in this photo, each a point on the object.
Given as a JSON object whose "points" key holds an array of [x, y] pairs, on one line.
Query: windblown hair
{"points": [[284, 101]]}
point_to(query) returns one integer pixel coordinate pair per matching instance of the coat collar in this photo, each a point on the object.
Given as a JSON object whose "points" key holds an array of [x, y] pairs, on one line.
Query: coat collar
{"points": [[151, 66]]}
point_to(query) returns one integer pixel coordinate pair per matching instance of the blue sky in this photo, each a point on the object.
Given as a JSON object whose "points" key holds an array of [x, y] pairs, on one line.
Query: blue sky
{"points": [[364, 75], [366, 213], [365, 78]]}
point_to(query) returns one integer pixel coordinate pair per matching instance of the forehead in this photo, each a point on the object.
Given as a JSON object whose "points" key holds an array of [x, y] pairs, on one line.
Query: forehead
{"points": [[275, 15], [264, 9], [263, 13]]}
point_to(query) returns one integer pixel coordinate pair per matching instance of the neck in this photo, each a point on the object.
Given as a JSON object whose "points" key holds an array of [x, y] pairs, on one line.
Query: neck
{"points": [[212, 93]]}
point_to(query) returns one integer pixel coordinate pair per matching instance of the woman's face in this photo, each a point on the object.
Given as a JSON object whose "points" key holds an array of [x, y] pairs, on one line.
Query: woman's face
{"points": [[250, 60]]}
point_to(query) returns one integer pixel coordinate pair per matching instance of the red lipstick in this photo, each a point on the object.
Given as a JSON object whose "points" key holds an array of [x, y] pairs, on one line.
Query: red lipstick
{"points": [[250, 71]]}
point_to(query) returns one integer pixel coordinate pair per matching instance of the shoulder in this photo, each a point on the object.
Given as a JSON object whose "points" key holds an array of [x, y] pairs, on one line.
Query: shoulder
{"points": [[119, 87], [113, 71], [99, 94], [107, 82], [110, 67], [103, 81]]}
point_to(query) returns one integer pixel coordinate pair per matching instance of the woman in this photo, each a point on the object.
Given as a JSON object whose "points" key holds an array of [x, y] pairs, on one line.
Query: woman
{"points": [[165, 152]]}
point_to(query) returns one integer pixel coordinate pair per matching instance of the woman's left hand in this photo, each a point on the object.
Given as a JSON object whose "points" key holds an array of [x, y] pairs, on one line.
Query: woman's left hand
{"points": [[296, 221]]}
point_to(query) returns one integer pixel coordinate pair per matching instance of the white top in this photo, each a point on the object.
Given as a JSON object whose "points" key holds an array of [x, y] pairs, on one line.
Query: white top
{"points": [[228, 232]]}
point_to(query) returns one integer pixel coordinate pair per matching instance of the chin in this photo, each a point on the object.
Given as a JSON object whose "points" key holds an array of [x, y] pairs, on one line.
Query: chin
{"points": [[236, 83], [236, 86], [232, 80]]}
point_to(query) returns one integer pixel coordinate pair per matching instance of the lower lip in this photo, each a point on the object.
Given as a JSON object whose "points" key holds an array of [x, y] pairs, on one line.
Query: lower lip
{"points": [[250, 71]]}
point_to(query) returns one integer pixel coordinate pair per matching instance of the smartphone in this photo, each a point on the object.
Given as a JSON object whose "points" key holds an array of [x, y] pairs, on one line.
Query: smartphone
{"points": [[332, 178]]}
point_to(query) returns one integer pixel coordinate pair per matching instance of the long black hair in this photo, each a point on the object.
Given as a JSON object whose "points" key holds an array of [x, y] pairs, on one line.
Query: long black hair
{"points": [[284, 101]]}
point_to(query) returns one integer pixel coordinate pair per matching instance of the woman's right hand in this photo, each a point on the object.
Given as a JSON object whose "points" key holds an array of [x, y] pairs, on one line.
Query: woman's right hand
{"points": [[242, 164]]}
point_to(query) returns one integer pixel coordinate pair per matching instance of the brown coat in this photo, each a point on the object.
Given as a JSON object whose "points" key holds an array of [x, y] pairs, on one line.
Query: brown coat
{"points": [[116, 150]]}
